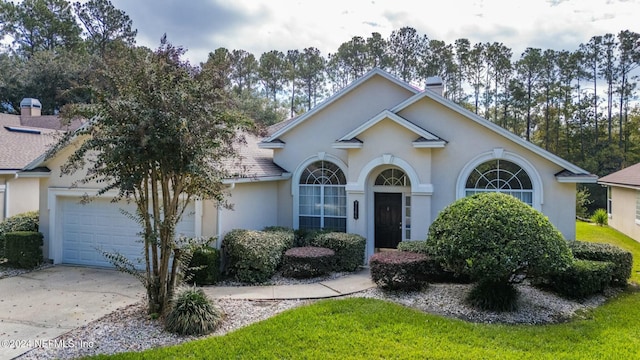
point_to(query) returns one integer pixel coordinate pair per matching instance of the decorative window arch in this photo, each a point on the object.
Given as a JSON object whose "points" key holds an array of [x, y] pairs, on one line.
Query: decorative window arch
{"points": [[322, 198], [535, 191], [392, 177], [500, 176]]}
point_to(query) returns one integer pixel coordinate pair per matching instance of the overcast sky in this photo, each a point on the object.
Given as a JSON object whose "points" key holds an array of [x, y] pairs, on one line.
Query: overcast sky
{"points": [[257, 26]]}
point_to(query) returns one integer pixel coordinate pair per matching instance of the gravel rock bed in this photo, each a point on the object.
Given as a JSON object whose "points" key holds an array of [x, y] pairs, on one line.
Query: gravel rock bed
{"points": [[6, 271], [131, 329]]}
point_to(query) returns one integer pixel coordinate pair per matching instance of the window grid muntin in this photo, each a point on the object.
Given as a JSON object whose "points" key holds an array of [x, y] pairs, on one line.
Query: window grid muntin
{"points": [[392, 177], [500, 176], [322, 197]]}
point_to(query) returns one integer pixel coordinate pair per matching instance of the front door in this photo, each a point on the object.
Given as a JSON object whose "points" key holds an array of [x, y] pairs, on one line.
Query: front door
{"points": [[388, 221]]}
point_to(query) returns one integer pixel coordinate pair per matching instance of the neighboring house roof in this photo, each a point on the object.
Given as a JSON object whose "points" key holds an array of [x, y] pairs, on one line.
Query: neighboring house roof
{"points": [[627, 177], [19, 145], [576, 174]]}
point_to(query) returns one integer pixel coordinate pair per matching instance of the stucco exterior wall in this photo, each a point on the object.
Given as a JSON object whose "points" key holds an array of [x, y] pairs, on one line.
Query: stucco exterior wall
{"points": [[254, 207], [22, 195], [623, 213]]}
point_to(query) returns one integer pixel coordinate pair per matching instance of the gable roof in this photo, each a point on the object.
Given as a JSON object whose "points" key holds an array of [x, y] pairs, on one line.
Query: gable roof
{"points": [[627, 177], [280, 130], [425, 138], [576, 170]]}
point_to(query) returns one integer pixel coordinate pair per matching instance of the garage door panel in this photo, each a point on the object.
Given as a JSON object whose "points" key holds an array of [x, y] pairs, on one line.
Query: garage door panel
{"points": [[101, 225]]}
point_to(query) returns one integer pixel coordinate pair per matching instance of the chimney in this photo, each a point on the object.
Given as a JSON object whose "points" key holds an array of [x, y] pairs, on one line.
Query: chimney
{"points": [[30, 107], [434, 83]]}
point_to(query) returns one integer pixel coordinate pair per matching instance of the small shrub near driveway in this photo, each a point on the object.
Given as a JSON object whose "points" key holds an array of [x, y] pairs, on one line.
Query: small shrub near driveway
{"points": [[307, 262], [349, 249], [204, 267], [621, 260], [28, 221], [23, 249], [398, 270], [192, 313], [254, 256]]}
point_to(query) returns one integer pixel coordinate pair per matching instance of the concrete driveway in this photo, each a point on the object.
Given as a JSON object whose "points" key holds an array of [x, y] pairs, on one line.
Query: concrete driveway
{"points": [[39, 306]]}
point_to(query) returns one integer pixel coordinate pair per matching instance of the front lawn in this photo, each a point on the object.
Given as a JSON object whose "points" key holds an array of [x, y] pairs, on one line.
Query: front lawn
{"points": [[359, 328]]}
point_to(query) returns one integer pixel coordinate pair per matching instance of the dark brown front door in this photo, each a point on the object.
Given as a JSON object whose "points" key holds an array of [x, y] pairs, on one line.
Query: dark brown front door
{"points": [[388, 208]]}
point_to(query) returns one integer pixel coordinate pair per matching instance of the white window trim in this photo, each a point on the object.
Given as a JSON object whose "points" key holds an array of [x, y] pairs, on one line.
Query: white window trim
{"points": [[499, 153], [295, 183]]}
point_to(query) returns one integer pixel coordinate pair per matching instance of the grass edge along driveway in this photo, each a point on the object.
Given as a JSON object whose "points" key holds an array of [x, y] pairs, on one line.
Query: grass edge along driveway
{"points": [[359, 328]]}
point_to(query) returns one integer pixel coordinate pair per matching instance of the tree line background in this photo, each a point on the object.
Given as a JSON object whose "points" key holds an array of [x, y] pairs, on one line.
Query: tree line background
{"points": [[580, 104]]}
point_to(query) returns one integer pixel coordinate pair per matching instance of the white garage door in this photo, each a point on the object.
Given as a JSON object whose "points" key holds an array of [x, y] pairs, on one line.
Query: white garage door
{"points": [[100, 224]]}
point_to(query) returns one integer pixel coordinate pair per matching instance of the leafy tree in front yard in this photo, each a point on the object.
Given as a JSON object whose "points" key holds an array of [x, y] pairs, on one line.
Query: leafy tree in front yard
{"points": [[158, 135]]}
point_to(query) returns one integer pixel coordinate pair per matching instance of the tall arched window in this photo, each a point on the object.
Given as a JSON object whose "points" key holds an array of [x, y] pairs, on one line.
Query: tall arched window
{"points": [[500, 176], [323, 199]]}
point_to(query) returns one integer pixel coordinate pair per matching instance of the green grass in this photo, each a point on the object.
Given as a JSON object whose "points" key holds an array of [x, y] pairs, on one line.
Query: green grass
{"points": [[373, 329], [604, 234]]}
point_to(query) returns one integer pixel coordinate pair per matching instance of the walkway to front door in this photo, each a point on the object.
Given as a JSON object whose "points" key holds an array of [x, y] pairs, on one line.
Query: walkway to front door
{"points": [[388, 220]]}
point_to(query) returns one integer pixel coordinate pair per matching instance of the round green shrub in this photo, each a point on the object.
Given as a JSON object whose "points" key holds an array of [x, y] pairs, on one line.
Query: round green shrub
{"points": [[495, 238], [192, 313]]}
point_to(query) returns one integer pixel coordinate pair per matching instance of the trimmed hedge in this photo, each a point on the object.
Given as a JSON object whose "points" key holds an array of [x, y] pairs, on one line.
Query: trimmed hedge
{"points": [[434, 272], [307, 262], [254, 256], [398, 270], [621, 259], [23, 249], [582, 279], [28, 221], [349, 249], [204, 267]]}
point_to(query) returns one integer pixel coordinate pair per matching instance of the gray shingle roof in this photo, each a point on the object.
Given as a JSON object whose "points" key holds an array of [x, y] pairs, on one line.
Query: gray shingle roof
{"points": [[629, 176], [253, 162], [19, 145]]}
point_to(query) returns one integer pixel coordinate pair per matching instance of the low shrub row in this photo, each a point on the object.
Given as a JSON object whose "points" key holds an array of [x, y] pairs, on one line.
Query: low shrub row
{"points": [[349, 248], [308, 262], [398, 270], [622, 260], [582, 279]]}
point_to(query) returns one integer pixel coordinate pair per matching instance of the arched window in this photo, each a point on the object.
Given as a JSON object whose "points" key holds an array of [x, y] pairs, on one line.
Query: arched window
{"points": [[500, 176], [322, 197], [393, 177]]}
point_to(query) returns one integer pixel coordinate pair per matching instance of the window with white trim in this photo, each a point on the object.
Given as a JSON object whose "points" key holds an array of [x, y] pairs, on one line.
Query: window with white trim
{"points": [[322, 197], [500, 176]]}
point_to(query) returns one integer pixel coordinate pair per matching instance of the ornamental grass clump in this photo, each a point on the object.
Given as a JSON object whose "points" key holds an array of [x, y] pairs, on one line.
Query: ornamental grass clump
{"points": [[496, 240], [192, 313]]}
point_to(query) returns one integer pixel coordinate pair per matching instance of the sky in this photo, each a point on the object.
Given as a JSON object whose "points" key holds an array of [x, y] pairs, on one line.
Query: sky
{"points": [[258, 26]]}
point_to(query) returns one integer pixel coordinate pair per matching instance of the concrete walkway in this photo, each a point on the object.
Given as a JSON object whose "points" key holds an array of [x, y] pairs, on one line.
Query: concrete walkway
{"points": [[331, 288]]}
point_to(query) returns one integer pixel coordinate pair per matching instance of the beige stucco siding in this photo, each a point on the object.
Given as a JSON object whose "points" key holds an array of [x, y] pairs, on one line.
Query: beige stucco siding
{"points": [[22, 195], [623, 217], [254, 207], [318, 132]]}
